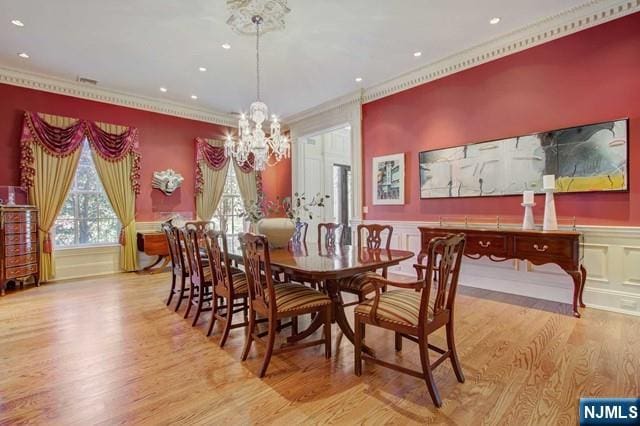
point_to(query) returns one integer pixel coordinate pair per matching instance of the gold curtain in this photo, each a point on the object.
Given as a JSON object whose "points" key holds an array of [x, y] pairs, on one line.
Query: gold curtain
{"points": [[116, 179], [248, 185], [212, 187], [53, 179]]}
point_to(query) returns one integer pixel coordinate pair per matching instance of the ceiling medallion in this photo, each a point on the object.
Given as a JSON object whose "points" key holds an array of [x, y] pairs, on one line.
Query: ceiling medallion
{"points": [[272, 13], [254, 147]]}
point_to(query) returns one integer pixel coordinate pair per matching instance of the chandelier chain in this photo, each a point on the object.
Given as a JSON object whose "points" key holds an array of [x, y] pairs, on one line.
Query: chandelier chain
{"points": [[258, 58]]}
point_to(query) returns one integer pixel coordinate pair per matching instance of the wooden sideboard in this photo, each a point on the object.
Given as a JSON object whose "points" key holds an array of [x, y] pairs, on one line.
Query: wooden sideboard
{"points": [[19, 254], [154, 244], [538, 247]]}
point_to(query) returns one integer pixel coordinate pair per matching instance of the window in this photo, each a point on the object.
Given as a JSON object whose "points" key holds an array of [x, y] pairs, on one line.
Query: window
{"points": [[87, 217], [227, 216]]}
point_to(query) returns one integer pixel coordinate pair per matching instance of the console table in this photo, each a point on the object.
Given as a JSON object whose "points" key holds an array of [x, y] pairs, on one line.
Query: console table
{"points": [[538, 247], [154, 244]]}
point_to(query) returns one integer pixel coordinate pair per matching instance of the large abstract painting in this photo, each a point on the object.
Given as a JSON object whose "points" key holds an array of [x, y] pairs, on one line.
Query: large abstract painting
{"points": [[583, 159]]}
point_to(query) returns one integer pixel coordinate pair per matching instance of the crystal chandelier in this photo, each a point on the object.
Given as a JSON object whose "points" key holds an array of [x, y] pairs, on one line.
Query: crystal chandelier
{"points": [[253, 146]]}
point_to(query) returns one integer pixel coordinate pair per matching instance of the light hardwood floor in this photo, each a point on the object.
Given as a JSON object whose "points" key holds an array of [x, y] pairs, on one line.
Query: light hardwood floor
{"points": [[107, 350]]}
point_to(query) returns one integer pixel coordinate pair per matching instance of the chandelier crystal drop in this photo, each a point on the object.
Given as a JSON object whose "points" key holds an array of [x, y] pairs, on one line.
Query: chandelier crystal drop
{"points": [[253, 146]]}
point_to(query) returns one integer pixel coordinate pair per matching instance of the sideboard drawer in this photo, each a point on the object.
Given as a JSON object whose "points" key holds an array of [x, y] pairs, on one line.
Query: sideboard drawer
{"points": [[544, 248], [22, 271], [495, 245], [25, 259], [20, 238], [20, 227]]}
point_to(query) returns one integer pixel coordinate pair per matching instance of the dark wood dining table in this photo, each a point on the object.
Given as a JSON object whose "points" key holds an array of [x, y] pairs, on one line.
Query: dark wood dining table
{"points": [[316, 263]]}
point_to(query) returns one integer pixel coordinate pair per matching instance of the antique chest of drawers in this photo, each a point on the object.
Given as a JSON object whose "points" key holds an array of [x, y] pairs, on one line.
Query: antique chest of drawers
{"points": [[19, 254]]}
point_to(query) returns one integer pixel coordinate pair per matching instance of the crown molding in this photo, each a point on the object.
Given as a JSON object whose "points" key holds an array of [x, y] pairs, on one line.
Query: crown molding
{"points": [[579, 18], [345, 101], [65, 87]]}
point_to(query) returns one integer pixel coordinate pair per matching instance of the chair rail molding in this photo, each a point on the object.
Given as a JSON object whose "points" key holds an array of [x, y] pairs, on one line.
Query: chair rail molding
{"points": [[611, 255], [60, 86]]}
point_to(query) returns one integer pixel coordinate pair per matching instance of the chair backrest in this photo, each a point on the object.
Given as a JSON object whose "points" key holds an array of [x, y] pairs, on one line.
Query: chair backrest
{"points": [[193, 241], [257, 266], [332, 235], [170, 234], [201, 226], [374, 234], [443, 269], [300, 234], [218, 254]]}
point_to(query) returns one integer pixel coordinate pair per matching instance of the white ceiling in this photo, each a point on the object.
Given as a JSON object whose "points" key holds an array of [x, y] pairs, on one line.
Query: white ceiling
{"points": [[137, 46]]}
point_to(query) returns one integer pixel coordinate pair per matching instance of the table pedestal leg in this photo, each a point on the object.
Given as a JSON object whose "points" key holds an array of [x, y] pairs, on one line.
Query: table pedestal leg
{"points": [[165, 261]]}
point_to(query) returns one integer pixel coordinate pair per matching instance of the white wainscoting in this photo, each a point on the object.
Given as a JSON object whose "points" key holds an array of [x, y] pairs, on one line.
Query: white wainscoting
{"points": [[96, 260], [611, 257]]}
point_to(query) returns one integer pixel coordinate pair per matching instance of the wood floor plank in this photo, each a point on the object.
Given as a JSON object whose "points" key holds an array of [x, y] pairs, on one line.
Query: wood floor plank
{"points": [[108, 351]]}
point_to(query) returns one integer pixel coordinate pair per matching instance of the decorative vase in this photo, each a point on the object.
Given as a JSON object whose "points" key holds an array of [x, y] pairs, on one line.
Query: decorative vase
{"points": [[277, 230]]}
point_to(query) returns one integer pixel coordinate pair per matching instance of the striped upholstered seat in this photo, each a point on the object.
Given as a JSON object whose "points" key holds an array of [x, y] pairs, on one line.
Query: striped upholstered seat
{"points": [[240, 283], [292, 297], [397, 306], [359, 283]]}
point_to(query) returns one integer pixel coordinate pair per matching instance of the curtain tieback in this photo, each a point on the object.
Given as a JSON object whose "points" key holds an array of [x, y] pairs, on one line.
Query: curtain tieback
{"points": [[122, 240], [46, 243]]}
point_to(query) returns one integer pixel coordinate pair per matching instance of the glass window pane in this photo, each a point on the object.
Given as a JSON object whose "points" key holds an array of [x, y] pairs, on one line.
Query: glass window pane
{"points": [[104, 206], [109, 231], [68, 208], [87, 231], [88, 205], [86, 178], [65, 232]]}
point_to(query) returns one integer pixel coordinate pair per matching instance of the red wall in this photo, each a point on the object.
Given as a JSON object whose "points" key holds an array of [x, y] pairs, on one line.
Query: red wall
{"points": [[165, 142], [588, 77]]}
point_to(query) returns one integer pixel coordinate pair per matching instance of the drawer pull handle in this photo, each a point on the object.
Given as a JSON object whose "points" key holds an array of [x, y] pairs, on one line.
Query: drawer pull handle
{"points": [[484, 244], [544, 248]]}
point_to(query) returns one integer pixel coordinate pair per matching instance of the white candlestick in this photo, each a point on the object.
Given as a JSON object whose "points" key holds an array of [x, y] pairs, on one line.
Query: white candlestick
{"points": [[549, 182], [550, 219], [527, 197], [527, 222]]}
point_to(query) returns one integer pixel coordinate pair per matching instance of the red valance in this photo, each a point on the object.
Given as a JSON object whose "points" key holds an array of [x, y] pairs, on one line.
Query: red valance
{"points": [[63, 141], [215, 158]]}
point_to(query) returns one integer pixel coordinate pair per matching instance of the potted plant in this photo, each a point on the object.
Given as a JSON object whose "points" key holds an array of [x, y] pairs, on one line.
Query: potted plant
{"points": [[279, 230]]}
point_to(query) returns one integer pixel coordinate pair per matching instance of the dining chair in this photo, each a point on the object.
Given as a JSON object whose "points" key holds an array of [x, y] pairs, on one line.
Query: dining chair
{"points": [[229, 285], [276, 301], [179, 263], [370, 236], [414, 315], [332, 234], [200, 276]]}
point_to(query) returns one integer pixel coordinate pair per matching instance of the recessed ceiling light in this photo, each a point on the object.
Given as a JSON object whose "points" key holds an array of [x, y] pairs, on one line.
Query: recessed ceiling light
{"points": [[226, 46], [417, 54], [17, 23], [23, 55], [494, 21], [163, 89], [194, 97], [358, 79], [202, 69]]}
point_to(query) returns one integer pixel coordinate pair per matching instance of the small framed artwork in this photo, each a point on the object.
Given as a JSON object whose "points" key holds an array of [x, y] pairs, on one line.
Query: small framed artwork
{"points": [[388, 179]]}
